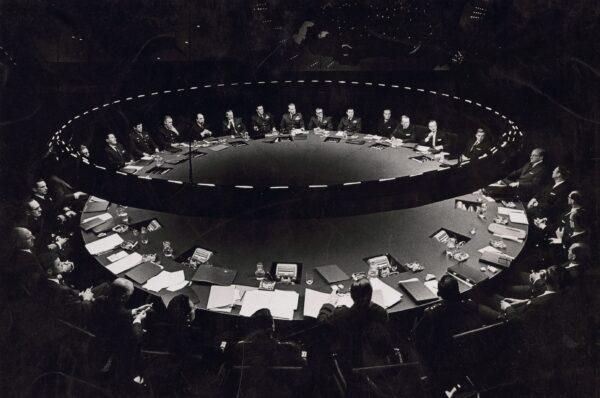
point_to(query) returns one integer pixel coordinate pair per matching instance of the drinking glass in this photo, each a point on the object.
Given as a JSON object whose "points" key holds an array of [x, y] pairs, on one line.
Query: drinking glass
{"points": [[167, 249]]}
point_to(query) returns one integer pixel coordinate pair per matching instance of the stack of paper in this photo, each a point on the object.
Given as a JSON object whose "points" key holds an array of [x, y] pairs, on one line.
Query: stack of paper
{"points": [[104, 244], [489, 249], [165, 280], [313, 301], [432, 285], [132, 169], [383, 294], [518, 217], [221, 298], [103, 217], [125, 263], [282, 304]]}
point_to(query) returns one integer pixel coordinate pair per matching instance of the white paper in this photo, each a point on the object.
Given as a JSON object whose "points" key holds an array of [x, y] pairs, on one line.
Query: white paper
{"points": [[164, 280], [286, 298], [345, 301], [389, 295], [432, 285], [103, 217], [104, 244], [125, 263], [313, 301], [117, 256], [178, 286], [281, 303], [221, 296], [489, 249], [518, 218], [147, 157], [133, 168]]}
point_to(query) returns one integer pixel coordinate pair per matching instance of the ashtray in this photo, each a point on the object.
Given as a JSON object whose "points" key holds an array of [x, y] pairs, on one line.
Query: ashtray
{"points": [[128, 245], [498, 244], [120, 228], [460, 256], [501, 220], [414, 266]]}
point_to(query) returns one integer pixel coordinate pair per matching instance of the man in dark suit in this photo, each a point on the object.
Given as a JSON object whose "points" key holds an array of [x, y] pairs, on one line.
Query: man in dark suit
{"points": [[320, 122], [358, 334], [22, 272], [350, 123], [50, 209], [233, 125], [387, 125], [291, 120], [116, 156], [435, 138], [140, 142], [167, 134], [406, 131], [199, 130], [262, 123], [44, 232], [552, 201], [524, 182], [477, 146]]}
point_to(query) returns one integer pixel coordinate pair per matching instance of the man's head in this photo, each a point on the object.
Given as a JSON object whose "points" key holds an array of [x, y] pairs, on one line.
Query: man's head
{"points": [[319, 112], [432, 125], [579, 252], [40, 188], [33, 209], [387, 114], [181, 310], [168, 121], [361, 292], [262, 320], [260, 110], [480, 134], [405, 121], [559, 173], [350, 113], [537, 155], [84, 151], [578, 219], [120, 290], [138, 127], [52, 264], [229, 115], [448, 288], [291, 109], [22, 238], [575, 199], [111, 139], [200, 119]]}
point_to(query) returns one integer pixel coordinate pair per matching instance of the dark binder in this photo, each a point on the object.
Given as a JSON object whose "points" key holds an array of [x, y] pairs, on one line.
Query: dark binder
{"points": [[106, 226], [87, 226], [418, 291], [467, 273], [93, 207], [332, 273], [143, 272], [214, 275]]}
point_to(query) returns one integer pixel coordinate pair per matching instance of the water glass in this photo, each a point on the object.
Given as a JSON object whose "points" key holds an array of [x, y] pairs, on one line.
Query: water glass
{"points": [[144, 236], [260, 271], [167, 249]]}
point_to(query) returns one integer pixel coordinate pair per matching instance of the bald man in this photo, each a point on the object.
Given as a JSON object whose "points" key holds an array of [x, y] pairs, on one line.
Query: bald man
{"points": [[22, 272]]}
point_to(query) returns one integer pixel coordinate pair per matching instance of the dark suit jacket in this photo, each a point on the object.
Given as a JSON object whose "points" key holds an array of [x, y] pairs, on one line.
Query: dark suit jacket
{"points": [[441, 138], [50, 210], [21, 274], [140, 143], [386, 128], [473, 151], [351, 126], [165, 138], [237, 129], [116, 156], [326, 123], [194, 133], [262, 125], [529, 177], [288, 123], [552, 201], [409, 134], [65, 302]]}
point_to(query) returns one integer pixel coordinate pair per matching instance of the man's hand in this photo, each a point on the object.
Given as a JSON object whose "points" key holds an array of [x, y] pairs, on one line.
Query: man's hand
{"points": [[140, 309], [532, 203], [79, 194], [540, 222], [514, 184], [560, 232], [87, 294]]}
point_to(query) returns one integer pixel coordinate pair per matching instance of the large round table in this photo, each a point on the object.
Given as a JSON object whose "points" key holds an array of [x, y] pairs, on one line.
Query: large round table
{"points": [[346, 241]]}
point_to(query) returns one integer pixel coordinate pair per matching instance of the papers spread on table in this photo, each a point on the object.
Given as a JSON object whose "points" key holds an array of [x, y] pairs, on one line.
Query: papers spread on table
{"points": [[165, 280], [104, 244], [221, 298], [383, 294], [313, 301], [489, 249], [132, 168], [432, 285], [281, 303], [117, 256], [125, 263], [518, 218], [103, 217]]}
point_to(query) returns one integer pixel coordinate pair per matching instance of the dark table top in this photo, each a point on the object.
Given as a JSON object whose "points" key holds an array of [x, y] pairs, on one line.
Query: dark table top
{"points": [[240, 243], [311, 161]]}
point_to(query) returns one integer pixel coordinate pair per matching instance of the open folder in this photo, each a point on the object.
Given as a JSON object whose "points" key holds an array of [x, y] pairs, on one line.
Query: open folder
{"points": [[281, 303]]}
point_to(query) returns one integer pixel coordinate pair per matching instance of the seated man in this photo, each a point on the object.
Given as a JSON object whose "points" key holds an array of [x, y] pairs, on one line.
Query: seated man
{"points": [[575, 201], [84, 151], [262, 123], [199, 130], [116, 157], [140, 142], [358, 334], [524, 182], [477, 146], [387, 125], [551, 201], [350, 123], [291, 120], [233, 126], [320, 122], [434, 138], [406, 131], [33, 221], [22, 272], [578, 231], [167, 134]]}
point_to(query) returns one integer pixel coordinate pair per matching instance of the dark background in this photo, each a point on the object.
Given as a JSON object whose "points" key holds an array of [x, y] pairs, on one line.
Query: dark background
{"points": [[536, 61]]}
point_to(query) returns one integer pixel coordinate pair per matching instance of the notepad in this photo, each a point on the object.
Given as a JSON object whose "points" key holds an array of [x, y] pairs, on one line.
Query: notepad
{"points": [[313, 301], [282, 304], [96, 206], [125, 263], [418, 291], [104, 244], [94, 222]]}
